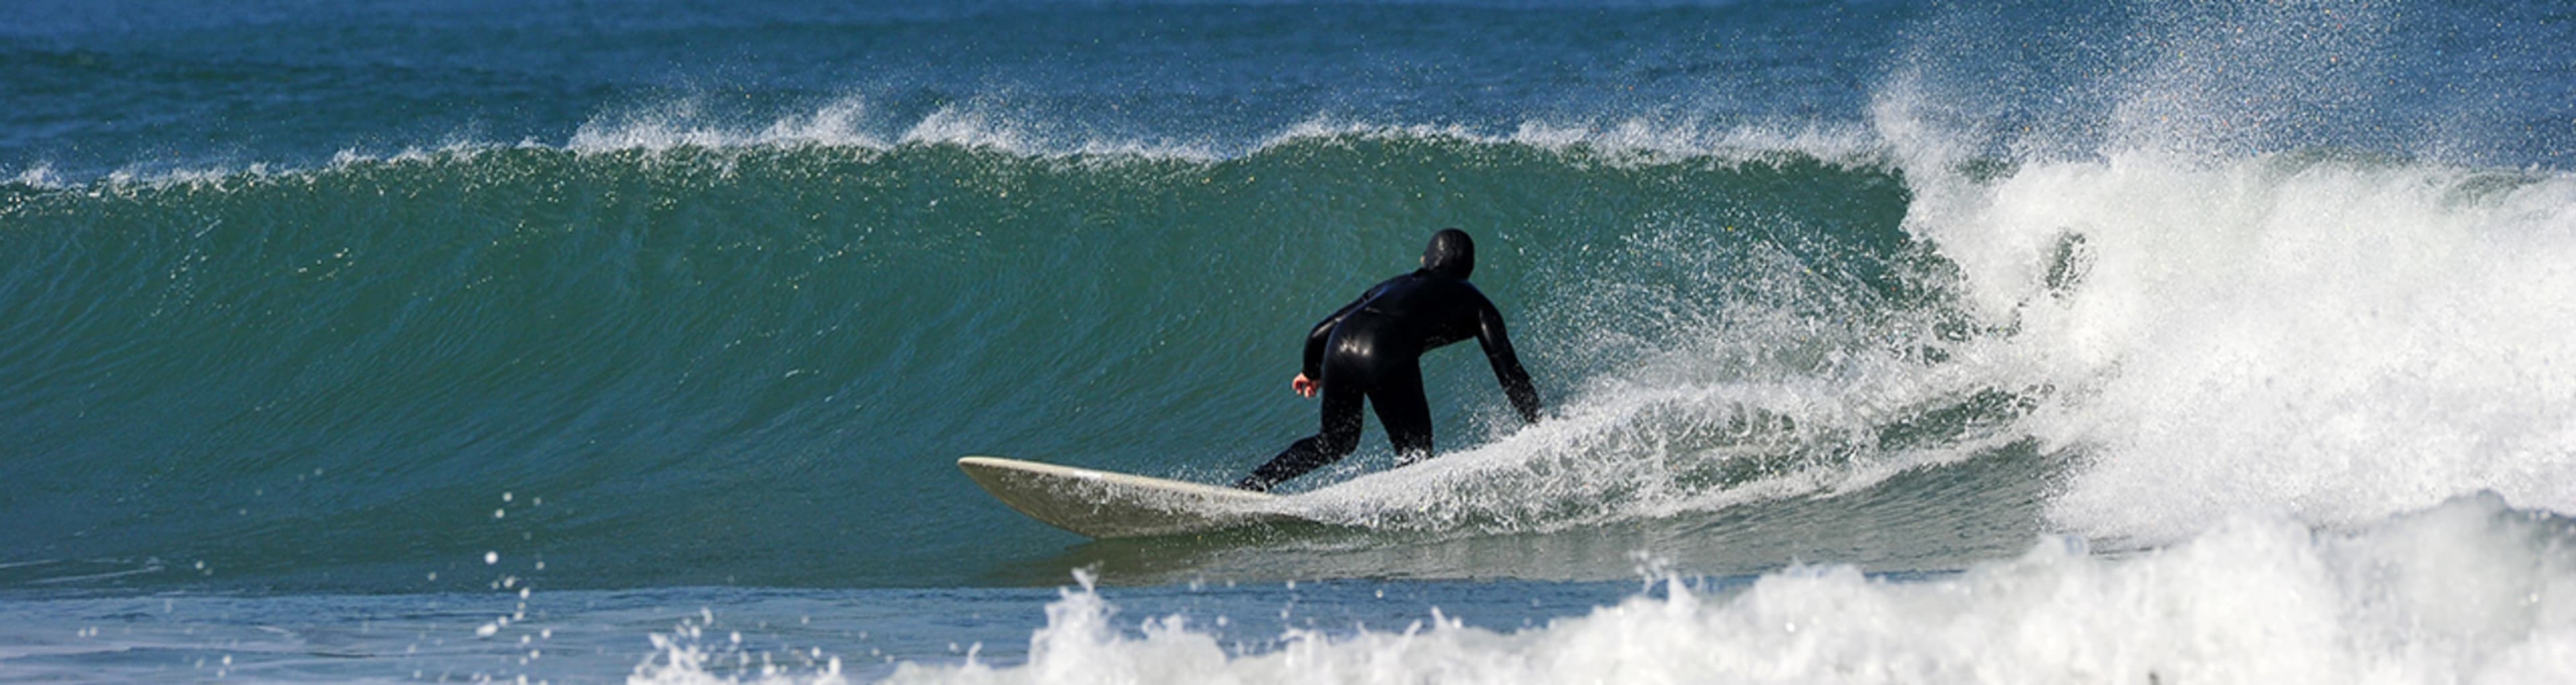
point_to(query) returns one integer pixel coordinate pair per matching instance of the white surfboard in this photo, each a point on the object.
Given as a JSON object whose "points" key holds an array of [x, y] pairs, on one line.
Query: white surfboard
{"points": [[1106, 504]]}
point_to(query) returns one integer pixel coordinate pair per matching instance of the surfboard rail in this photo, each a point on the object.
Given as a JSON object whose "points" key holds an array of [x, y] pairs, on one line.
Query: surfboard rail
{"points": [[1108, 504]]}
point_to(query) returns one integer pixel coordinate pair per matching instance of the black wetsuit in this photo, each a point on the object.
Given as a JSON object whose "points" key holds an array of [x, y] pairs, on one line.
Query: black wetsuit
{"points": [[1371, 349]]}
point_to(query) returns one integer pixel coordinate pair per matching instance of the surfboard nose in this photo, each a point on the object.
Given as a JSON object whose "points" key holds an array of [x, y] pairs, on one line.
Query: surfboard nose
{"points": [[1107, 504]]}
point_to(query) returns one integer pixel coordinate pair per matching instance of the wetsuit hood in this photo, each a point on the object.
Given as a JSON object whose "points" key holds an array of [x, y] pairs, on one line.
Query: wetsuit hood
{"points": [[1451, 254]]}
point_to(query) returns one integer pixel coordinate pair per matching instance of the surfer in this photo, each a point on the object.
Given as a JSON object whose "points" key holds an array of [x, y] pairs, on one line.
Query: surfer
{"points": [[1372, 349]]}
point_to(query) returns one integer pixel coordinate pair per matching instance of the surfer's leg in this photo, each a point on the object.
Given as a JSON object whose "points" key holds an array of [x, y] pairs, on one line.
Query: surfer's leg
{"points": [[1339, 436], [1400, 406]]}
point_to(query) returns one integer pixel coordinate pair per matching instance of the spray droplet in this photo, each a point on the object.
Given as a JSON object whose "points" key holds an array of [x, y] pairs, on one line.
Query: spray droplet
{"points": [[491, 557]]}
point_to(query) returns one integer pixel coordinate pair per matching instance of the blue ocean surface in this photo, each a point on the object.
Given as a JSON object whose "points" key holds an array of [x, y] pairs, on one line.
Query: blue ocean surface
{"points": [[460, 341]]}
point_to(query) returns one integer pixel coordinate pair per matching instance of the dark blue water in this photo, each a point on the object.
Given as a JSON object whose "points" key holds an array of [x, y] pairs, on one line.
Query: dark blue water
{"points": [[328, 329]]}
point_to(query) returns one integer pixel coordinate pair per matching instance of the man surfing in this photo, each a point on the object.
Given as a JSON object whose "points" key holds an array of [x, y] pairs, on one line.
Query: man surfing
{"points": [[1371, 349]]}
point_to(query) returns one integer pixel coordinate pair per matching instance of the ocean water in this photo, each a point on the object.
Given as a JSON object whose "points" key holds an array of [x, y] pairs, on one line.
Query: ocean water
{"points": [[1880, 341]]}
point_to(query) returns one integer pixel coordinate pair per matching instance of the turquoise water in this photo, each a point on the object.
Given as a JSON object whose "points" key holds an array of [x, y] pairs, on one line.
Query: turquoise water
{"points": [[333, 335], [754, 350]]}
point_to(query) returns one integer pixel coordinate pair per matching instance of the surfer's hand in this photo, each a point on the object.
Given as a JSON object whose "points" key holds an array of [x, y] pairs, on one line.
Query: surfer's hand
{"points": [[1305, 387]]}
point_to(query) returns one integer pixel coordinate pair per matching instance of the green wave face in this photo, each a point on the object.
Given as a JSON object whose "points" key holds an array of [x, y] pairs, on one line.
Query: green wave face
{"points": [[753, 349]]}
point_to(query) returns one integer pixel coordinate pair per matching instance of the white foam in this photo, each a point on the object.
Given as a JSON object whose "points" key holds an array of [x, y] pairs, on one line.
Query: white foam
{"points": [[689, 656], [993, 124], [2253, 326], [982, 128], [2334, 340], [850, 123], [1638, 139], [1639, 451], [1739, 374], [39, 176], [1693, 138], [133, 178], [2468, 592], [685, 123]]}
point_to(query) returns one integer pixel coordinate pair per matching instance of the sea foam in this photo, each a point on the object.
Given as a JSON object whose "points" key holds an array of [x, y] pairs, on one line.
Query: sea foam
{"points": [[2248, 294], [2333, 339], [2471, 590]]}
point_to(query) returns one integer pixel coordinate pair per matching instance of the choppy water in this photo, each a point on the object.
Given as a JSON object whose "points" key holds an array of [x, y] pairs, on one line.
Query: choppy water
{"points": [[2140, 343]]}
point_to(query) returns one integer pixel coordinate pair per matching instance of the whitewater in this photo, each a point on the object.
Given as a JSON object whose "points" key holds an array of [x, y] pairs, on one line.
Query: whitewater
{"points": [[1880, 342]]}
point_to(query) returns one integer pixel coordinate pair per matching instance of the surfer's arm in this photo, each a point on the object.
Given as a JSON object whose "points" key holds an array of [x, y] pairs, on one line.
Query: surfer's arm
{"points": [[1507, 365]]}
